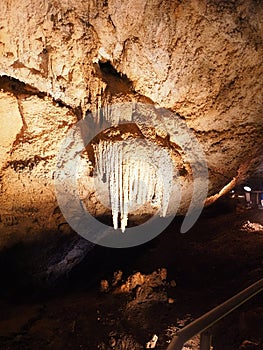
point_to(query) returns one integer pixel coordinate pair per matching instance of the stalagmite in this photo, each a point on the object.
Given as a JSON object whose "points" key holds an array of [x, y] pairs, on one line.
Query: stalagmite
{"points": [[135, 172]]}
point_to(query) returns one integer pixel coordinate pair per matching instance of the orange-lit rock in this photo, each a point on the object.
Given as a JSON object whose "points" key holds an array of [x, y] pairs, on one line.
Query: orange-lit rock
{"points": [[200, 59], [11, 123]]}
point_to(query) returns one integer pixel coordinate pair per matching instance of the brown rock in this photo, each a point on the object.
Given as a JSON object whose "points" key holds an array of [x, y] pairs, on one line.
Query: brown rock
{"points": [[202, 60]]}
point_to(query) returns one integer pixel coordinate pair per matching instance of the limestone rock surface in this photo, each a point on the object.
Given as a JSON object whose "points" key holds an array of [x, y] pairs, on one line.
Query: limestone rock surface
{"points": [[201, 59]]}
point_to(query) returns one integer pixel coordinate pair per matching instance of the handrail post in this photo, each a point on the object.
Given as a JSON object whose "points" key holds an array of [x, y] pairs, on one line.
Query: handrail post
{"points": [[176, 343], [205, 340], [205, 322]]}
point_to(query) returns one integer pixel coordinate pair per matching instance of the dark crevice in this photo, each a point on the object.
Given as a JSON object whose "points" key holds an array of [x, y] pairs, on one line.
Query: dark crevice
{"points": [[118, 84], [17, 87], [20, 89], [108, 69], [116, 81], [21, 164]]}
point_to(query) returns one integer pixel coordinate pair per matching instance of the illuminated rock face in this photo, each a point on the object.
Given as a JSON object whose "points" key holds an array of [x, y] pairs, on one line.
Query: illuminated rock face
{"points": [[199, 59], [10, 121]]}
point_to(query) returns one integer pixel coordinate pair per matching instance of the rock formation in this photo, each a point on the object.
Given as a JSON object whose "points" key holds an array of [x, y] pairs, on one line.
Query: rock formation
{"points": [[201, 60]]}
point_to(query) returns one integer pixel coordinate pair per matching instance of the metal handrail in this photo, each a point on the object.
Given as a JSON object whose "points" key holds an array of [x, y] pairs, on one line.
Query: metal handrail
{"points": [[203, 323]]}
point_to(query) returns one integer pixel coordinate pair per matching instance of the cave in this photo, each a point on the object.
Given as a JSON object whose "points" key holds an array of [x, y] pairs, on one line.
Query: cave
{"points": [[131, 173]]}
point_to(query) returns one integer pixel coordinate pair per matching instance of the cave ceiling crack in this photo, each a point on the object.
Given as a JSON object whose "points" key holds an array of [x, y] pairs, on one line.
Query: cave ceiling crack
{"points": [[19, 88]]}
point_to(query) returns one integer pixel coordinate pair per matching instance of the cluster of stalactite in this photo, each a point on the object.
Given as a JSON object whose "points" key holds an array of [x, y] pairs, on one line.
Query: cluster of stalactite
{"points": [[135, 172]]}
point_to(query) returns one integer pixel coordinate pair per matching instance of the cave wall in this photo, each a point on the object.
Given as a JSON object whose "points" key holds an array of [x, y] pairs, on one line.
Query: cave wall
{"points": [[58, 60]]}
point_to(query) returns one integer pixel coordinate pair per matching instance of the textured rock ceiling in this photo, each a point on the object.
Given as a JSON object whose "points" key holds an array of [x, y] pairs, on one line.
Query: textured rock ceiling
{"points": [[199, 59]]}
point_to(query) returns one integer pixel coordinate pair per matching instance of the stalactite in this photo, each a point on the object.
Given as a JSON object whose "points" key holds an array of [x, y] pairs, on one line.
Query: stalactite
{"points": [[135, 173]]}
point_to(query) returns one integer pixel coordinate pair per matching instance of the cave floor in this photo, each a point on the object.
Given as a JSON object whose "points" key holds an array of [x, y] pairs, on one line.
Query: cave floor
{"points": [[162, 286]]}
